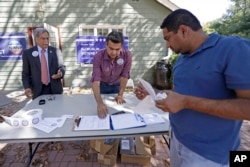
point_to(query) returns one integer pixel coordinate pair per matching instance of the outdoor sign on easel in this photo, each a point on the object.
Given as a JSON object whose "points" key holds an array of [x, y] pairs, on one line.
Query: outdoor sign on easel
{"points": [[88, 46], [12, 45]]}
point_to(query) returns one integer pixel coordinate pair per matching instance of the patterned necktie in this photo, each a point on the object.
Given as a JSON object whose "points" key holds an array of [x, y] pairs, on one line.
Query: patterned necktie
{"points": [[44, 68]]}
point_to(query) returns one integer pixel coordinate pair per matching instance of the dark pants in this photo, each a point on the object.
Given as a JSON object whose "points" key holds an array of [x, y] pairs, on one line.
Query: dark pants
{"points": [[46, 89], [105, 88]]}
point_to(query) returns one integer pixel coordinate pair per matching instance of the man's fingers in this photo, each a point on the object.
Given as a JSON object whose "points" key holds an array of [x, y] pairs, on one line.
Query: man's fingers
{"points": [[102, 114]]}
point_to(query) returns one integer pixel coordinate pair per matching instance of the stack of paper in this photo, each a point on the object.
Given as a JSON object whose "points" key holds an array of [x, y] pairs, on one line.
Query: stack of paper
{"points": [[127, 120]]}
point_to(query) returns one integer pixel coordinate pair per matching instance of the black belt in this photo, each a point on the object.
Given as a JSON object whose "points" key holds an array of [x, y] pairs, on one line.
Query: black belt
{"points": [[46, 85], [111, 84]]}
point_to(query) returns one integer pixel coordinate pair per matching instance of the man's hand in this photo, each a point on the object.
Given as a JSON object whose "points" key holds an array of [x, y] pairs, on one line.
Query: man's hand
{"points": [[28, 93], [140, 92], [173, 103], [57, 75], [1, 119], [102, 110], [119, 99]]}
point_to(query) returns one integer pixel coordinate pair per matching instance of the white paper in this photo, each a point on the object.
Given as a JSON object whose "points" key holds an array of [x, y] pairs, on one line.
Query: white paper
{"points": [[56, 121], [51, 123], [148, 88], [144, 106], [127, 120], [161, 96], [93, 122], [46, 126], [153, 118]]}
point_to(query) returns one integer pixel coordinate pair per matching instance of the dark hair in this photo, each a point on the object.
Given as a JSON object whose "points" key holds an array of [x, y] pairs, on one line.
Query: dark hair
{"points": [[180, 17], [115, 37]]}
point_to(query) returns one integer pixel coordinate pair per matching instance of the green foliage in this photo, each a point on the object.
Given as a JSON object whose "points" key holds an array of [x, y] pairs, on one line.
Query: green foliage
{"points": [[236, 21], [172, 61], [173, 58]]}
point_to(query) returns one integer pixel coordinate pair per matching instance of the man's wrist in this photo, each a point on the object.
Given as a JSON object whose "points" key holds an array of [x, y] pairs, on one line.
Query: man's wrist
{"points": [[119, 95]]}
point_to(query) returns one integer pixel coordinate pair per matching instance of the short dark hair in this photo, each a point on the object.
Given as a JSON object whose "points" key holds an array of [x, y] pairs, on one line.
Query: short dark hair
{"points": [[115, 37], [180, 17]]}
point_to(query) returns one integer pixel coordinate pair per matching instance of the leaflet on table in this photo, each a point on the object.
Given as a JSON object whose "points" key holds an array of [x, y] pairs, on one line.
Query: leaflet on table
{"points": [[127, 120], [92, 122], [153, 118], [49, 124]]}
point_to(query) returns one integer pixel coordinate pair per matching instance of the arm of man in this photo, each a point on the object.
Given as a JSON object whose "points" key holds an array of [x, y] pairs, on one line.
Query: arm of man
{"points": [[119, 98], [237, 109], [102, 110], [61, 67], [124, 77], [26, 78]]}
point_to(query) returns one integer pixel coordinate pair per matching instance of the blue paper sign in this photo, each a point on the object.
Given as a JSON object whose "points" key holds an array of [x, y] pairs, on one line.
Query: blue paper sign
{"points": [[88, 46], [12, 46]]}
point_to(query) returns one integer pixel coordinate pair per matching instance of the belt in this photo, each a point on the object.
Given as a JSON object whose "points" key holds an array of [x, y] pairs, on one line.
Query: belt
{"points": [[111, 84], [114, 84], [46, 85]]}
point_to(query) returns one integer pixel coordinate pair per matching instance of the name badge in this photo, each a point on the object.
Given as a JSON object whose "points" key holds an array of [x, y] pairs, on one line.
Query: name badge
{"points": [[120, 61]]}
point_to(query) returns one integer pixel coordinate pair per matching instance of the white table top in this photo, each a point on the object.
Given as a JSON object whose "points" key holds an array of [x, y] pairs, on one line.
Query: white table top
{"points": [[76, 105]]}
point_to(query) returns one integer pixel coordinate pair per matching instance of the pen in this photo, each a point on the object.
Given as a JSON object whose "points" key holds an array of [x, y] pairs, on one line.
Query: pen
{"points": [[77, 121], [139, 117], [119, 112]]}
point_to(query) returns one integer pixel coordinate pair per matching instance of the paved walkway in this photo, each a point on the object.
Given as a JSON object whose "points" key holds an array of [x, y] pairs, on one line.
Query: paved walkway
{"points": [[74, 153]]}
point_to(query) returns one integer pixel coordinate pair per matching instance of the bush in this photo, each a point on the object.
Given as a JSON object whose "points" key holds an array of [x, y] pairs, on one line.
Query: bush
{"points": [[172, 61]]}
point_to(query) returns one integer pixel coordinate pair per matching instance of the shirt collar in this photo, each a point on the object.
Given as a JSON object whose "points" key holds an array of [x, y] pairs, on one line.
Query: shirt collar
{"points": [[40, 49], [210, 42]]}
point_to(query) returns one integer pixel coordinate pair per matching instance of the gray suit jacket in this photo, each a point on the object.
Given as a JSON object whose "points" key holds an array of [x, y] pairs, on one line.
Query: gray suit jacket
{"points": [[31, 71]]}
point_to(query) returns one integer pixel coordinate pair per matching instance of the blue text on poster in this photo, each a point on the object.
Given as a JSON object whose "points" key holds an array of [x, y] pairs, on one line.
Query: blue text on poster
{"points": [[88, 46]]}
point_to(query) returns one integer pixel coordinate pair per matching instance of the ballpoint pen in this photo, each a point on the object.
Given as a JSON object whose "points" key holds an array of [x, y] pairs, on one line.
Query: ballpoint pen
{"points": [[77, 121]]}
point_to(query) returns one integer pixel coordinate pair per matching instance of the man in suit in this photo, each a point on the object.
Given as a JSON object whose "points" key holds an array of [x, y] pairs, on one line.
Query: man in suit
{"points": [[33, 67]]}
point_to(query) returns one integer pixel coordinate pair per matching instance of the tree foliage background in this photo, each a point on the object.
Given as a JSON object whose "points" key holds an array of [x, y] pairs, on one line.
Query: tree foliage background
{"points": [[236, 21]]}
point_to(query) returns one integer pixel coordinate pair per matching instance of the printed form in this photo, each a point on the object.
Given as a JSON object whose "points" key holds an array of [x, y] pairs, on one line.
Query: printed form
{"points": [[93, 122]]}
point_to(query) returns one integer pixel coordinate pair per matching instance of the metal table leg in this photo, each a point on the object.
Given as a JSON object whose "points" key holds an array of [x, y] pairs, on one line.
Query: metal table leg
{"points": [[167, 141], [32, 153]]}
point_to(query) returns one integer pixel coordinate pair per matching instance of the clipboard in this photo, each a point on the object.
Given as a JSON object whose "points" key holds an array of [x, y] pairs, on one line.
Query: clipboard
{"points": [[127, 120]]}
